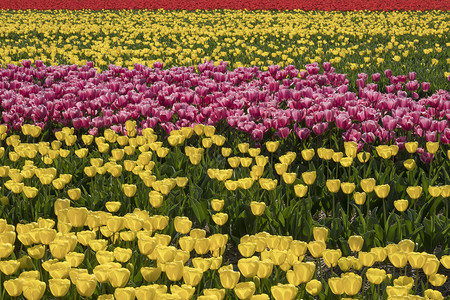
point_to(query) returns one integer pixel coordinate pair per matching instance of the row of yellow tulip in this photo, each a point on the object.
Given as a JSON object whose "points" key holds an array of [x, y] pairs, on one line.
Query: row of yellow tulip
{"points": [[352, 40], [291, 256]]}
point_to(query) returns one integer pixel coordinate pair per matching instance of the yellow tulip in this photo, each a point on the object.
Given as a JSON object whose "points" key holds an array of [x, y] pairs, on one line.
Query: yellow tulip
{"points": [[363, 157], [127, 293], [300, 190], [150, 274], [382, 191], [182, 224], [360, 198], [445, 261], [86, 284], [14, 287], [433, 295], [243, 147], [392, 291], [348, 187], [244, 290], [406, 246], [9, 267], [320, 233], [36, 252], [284, 291], [119, 277], [411, 147], [346, 162], [398, 259], [356, 243], [352, 284], [368, 184], [74, 259], [59, 287], [414, 192], [247, 249], [316, 248], [404, 281], [272, 146], [308, 154], [174, 270], [129, 189], [192, 276], [331, 257], [229, 278], [257, 208], [220, 218], [437, 279], [401, 205], [314, 287], [226, 151], [122, 254], [333, 185], [248, 266], [432, 147], [409, 164], [289, 178], [375, 276], [265, 269], [431, 266], [309, 177], [367, 259], [434, 191], [336, 285], [34, 290]]}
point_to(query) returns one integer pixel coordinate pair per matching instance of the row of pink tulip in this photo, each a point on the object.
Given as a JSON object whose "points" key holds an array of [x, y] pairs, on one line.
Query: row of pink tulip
{"points": [[308, 102]]}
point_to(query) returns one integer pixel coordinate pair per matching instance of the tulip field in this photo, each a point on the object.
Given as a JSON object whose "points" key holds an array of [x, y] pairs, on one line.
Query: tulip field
{"points": [[219, 150]]}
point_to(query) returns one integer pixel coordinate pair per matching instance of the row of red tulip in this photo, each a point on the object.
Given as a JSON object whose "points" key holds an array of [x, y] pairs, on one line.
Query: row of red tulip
{"points": [[309, 103], [229, 4]]}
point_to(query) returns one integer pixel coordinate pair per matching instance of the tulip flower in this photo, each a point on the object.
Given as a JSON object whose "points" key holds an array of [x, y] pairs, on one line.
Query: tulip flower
{"points": [[431, 266], [406, 245], [248, 267], [14, 287], [59, 287], [316, 248], [375, 276], [336, 285], [220, 218], [355, 242], [401, 205], [309, 177], [320, 233], [272, 146], [333, 185], [331, 257], [433, 294], [244, 290], [284, 291], [182, 225], [229, 278], [382, 191], [360, 198], [437, 279], [404, 281], [398, 259], [368, 184], [86, 284]]}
